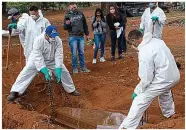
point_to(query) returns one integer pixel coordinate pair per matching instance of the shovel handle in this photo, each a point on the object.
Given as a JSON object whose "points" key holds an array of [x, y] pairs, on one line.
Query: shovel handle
{"points": [[9, 42], [20, 49]]}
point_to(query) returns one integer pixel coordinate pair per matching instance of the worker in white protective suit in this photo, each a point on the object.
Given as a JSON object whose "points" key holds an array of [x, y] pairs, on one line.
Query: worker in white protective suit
{"points": [[47, 54], [30, 27], [158, 73], [23, 19], [153, 20]]}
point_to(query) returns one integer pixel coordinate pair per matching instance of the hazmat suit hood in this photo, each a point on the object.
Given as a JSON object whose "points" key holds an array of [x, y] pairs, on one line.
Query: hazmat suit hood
{"points": [[146, 38], [40, 13]]}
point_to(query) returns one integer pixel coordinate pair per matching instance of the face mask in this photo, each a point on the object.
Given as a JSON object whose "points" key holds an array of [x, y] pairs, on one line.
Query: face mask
{"points": [[151, 5], [34, 17]]}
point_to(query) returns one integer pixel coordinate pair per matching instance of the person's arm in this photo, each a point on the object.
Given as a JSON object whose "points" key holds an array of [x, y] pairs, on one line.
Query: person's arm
{"points": [[58, 53], [162, 17], [66, 26], [110, 23], [145, 73], [85, 26], [94, 22], [38, 56], [22, 23], [142, 21], [103, 24]]}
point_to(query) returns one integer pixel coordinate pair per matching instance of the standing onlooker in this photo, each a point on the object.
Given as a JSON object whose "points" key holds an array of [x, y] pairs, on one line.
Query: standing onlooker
{"points": [[76, 25], [115, 23], [99, 27], [153, 17], [123, 12]]}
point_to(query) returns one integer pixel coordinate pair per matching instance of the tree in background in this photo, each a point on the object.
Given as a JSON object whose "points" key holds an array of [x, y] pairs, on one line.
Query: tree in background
{"points": [[4, 7]]}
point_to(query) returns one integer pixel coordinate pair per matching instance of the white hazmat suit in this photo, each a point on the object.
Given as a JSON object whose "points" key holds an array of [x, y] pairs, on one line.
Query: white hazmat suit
{"points": [[29, 29], [22, 19], [44, 54], [158, 73], [147, 24]]}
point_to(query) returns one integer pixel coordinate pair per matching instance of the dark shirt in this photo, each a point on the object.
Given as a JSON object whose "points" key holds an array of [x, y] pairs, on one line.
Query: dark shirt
{"points": [[78, 25], [111, 20]]}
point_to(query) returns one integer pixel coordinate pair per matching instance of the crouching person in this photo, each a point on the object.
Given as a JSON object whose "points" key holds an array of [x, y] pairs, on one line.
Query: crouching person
{"points": [[47, 54], [158, 73]]}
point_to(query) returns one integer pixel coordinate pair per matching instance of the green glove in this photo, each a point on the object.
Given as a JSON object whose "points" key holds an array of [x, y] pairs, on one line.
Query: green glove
{"points": [[58, 74], [12, 25], [46, 73], [141, 30], [133, 96], [155, 18]]}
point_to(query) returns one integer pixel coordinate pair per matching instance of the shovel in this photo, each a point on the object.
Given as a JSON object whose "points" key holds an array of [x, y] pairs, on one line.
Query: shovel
{"points": [[9, 42]]}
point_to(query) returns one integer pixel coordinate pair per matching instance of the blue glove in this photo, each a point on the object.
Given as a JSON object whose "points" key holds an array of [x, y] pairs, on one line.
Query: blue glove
{"points": [[12, 25], [58, 74], [46, 73], [141, 30], [133, 96], [154, 18]]}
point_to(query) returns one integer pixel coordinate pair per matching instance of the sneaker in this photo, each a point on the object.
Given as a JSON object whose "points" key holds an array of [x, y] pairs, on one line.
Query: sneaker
{"points": [[94, 61], [85, 70], [75, 71], [102, 59], [13, 96], [112, 59], [75, 93]]}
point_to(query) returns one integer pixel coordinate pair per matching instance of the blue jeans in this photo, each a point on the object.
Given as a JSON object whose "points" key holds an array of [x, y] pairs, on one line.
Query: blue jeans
{"points": [[99, 38], [77, 43]]}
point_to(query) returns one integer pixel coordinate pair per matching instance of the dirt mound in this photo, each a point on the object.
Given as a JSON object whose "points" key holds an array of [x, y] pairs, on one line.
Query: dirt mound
{"points": [[169, 124], [16, 118]]}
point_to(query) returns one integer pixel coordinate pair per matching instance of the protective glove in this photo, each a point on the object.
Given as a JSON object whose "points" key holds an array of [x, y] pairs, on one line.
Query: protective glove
{"points": [[133, 96], [12, 25], [46, 73], [154, 18], [58, 74], [141, 30]]}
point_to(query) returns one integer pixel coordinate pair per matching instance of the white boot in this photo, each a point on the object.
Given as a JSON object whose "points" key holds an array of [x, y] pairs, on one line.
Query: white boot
{"points": [[102, 59], [94, 61]]}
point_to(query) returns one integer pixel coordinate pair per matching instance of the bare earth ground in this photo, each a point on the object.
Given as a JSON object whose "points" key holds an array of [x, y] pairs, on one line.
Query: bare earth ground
{"points": [[108, 87]]}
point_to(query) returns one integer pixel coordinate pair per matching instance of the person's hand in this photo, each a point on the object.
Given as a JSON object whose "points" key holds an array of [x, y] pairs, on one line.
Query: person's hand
{"points": [[68, 22], [46, 73], [141, 30], [58, 74], [98, 18], [11, 26], [133, 96], [117, 28], [154, 18]]}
